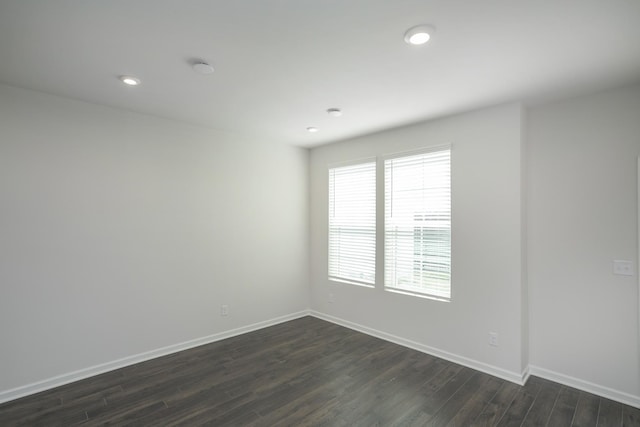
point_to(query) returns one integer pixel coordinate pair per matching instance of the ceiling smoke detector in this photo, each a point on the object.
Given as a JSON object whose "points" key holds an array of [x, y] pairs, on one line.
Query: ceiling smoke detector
{"points": [[203, 68], [334, 112]]}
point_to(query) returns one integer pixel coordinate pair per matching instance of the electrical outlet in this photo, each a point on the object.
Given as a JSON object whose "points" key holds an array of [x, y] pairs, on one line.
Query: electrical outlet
{"points": [[331, 298], [493, 339], [224, 310]]}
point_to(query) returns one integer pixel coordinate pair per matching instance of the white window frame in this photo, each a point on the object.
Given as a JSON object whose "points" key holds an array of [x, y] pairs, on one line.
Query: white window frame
{"points": [[383, 221], [335, 277], [380, 222]]}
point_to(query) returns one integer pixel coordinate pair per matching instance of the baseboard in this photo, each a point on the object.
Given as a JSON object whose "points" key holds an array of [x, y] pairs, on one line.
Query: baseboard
{"points": [[526, 373], [618, 396], [515, 377], [81, 374]]}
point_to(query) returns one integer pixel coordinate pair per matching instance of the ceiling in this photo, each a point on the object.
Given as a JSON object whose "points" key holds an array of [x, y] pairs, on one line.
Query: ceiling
{"points": [[280, 64]]}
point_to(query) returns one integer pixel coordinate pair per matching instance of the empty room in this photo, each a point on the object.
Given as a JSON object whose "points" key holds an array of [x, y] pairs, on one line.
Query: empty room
{"points": [[332, 213]]}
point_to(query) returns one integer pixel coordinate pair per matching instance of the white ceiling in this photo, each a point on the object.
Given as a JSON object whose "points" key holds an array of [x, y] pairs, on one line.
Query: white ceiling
{"points": [[281, 63]]}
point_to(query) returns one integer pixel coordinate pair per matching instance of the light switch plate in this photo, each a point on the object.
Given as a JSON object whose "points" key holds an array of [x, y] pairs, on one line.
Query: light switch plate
{"points": [[622, 267]]}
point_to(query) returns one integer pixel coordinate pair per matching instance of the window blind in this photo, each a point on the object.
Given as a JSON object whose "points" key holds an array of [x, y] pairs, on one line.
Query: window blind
{"points": [[352, 223], [417, 233]]}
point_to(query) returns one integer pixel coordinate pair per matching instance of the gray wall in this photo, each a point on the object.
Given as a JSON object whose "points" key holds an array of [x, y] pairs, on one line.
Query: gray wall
{"points": [[123, 233], [583, 214]]}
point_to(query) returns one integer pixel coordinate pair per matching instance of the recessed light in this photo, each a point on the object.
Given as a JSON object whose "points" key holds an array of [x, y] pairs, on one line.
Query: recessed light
{"points": [[334, 112], [130, 80], [312, 129], [203, 68], [419, 35]]}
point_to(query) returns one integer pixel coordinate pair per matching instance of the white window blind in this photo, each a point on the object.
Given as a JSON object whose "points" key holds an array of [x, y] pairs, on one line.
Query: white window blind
{"points": [[418, 223], [352, 223]]}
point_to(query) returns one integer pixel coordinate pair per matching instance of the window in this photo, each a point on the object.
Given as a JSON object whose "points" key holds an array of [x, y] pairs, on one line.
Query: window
{"points": [[352, 223], [417, 230]]}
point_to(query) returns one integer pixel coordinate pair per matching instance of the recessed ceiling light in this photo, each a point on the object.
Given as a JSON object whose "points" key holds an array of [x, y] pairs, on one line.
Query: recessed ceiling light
{"points": [[312, 129], [130, 80], [203, 68], [334, 112], [419, 35]]}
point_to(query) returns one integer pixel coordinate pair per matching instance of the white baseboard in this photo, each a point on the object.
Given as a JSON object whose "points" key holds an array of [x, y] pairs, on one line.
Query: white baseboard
{"points": [[618, 396], [515, 377], [526, 373], [70, 377]]}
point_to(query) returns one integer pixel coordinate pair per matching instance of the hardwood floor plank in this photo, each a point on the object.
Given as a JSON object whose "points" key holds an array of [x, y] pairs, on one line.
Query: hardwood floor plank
{"points": [[586, 414], [610, 413], [105, 383], [497, 407], [458, 399], [630, 416], [308, 400], [397, 391], [542, 406], [517, 410], [309, 372], [370, 387], [75, 410], [476, 403], [405, 392], [432, 404], [13, 412], [124, 414], [521, 403], [429, 389], [564, 410]]}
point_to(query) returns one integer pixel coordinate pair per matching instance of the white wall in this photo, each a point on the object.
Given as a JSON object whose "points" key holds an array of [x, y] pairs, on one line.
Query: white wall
{"points": [[487, 245], [122, 233], [582, 185]]}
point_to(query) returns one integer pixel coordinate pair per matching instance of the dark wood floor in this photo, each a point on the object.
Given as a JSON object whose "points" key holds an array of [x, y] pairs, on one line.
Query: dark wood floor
{"points": [[310, 372]]}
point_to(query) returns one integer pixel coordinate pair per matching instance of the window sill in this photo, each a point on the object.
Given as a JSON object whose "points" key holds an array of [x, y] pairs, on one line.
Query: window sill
{"points": [[349, 282], [417, 294]]}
